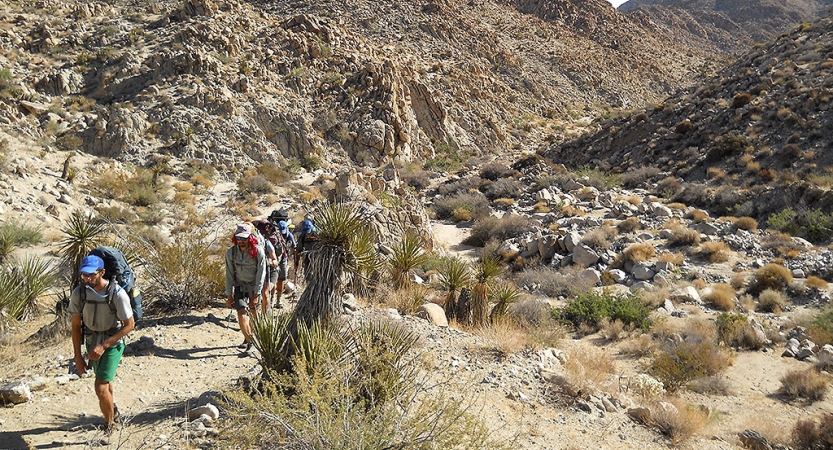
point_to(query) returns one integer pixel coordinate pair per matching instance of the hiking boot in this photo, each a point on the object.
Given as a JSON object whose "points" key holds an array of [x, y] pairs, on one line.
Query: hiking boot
{"points": [[116, 414], [248, 348], [244, 345], [110, 428]]}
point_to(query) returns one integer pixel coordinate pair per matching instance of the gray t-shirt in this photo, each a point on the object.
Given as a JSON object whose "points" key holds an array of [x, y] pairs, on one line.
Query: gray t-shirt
{"points": [[97, 315]]}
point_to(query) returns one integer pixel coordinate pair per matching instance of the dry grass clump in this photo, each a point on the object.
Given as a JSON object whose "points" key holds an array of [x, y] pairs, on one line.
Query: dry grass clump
{"points": [[738, 281], [540, 207], [714, 251], [612, 330], [638, 346], [507, 227], [639, 252], [599, 238], [735, 330], [814, 433], [698, 216], [554, 282], [771, 428], [504, 336], [771, 301], [589, 367], [711, 386], [629, 225], [807, 384], [678, 420], [677, 363], [674, 258], [746, 223], [815, 282], [536, 319], [632, 199], [721, 296], [681, 236], [771, 276]]}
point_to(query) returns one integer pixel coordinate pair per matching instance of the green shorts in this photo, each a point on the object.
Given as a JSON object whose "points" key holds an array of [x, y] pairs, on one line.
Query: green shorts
{"points": [[105, 367]]}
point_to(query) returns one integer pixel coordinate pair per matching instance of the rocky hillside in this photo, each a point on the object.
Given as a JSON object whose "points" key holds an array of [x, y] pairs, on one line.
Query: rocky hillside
{"points": [[234, 82], [731, 26], [751, 141]]}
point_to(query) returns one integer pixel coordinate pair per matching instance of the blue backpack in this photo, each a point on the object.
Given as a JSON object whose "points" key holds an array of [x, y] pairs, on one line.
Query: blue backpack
{"points": [[117, 269]]}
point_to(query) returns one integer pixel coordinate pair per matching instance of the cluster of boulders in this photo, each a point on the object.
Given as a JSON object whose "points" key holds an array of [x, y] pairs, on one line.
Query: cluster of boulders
{"points": [[803, 349]]}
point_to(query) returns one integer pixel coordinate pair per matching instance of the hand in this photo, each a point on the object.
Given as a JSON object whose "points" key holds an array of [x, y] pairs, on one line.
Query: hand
{"points": [[80, 365], [96, 352]]}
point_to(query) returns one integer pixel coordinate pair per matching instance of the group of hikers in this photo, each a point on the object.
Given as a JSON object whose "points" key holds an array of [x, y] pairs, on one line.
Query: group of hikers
{"points": [[105, 305]]}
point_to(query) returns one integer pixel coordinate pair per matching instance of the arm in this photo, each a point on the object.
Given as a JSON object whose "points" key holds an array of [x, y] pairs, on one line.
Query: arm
{"points": [[80, 364], [261, 270], [230, 277]]}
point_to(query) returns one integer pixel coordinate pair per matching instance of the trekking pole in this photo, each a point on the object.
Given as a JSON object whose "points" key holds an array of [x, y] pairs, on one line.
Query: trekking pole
{"points": [[297, 259]]}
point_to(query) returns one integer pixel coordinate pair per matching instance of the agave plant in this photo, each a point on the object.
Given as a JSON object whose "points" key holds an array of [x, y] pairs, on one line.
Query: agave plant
{"points": [[22, 283], [484, 273], [344, 249], [455, 275], [82, 233], [504, 295], [407, 256]]}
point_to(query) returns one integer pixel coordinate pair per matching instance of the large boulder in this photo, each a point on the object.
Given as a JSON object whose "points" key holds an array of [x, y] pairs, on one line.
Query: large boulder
{"points": [[434, 313]]}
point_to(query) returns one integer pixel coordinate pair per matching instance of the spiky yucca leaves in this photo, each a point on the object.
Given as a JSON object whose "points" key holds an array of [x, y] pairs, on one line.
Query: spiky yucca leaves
{"points": [[381, 352], [455, 275], [270, 335], [313, 349], [318, 347], [344, 249], [504, 295], [13, 234], [186, 274], [407, 256], [485, 272], [82, 234], [22, 283]]}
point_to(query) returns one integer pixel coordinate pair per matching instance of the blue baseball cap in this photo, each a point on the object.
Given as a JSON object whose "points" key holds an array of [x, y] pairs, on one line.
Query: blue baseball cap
{"points": [[91, 264], [282, 227]]}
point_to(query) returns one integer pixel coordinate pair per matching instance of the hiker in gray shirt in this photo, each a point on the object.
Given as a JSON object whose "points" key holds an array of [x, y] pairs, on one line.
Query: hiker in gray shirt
{"points": [[245, 274], [102, 316]]}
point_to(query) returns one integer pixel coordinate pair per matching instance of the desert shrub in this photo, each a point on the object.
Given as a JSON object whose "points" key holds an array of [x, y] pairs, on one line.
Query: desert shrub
{"points": [[502, 188], [358, 389], [722, 296], [714, 251], [698, 216], [507, 227], [684, 126], [553, 282], [771, 301], [629, 225], [468, 184], [681, 236], [494, 171], [599, 238], [273, 173], [738, 281], [784, 221], [22, 283], [638, 346], [444, 207], [771, 276], [746, 223], [591, 308], [14, 234], [408, 300], [727, 146], [253, 183], [711, 386], [740, 100], [588, 368], [674, 258], [504, 336], [646, 386], [821, 327], [679, 362], [807, 384], [536, 319], [679, 423], [818, 226], [612, 330], [639, 252], [814, 433], [815, 282], [735, 330], [636, 177], [417, 179], [185, 274]]}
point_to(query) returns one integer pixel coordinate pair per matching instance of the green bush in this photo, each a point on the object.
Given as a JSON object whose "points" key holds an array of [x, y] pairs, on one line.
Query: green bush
{"points": [[818, 226], [821, 327], [784, 221], [590, 308], [727, 146], [735, 330]]}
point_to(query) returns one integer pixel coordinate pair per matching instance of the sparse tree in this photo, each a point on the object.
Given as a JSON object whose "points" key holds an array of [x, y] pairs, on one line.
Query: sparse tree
{"points": [[484, 274], [83, 232], [407, 256]]}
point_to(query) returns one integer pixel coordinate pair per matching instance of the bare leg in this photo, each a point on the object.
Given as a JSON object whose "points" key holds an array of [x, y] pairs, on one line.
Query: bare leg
{"points": [[279, 289], [243, 321], [104, 391], [264, 297]]}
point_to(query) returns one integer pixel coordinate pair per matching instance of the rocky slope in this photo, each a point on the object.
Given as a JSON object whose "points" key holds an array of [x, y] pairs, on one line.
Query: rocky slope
{"points": [[233, 82], [732, 26], [750, 141]]}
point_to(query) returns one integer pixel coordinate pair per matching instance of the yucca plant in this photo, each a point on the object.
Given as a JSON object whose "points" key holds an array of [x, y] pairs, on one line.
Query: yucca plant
{"points": [[83, 232], [381, 352], [504, 294], [454, 275], [14, 234], [407, 256], [344, 249], [270, 335], [485, 272], [318, 348], [22, 283]]}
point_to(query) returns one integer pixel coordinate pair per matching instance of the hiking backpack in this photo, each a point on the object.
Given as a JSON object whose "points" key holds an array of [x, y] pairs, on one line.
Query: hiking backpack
{"points": [[270, 231], [116, 269]]}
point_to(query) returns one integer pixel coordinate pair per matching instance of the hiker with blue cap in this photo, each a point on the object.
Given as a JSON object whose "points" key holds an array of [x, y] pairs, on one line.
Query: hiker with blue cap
{"points": [[102, 316]]}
